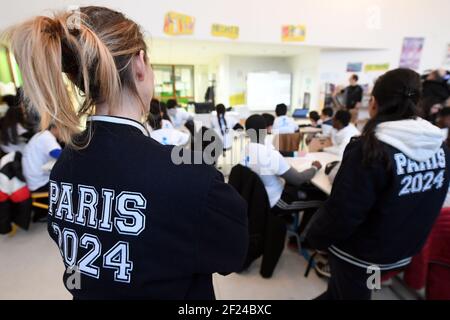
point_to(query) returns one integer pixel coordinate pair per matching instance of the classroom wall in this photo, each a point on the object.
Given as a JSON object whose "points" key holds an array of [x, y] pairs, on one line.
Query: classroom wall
{"points": [[331, 23]]}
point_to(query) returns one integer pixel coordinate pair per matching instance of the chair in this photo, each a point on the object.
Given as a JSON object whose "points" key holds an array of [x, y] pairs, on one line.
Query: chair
{"points": [[39, 195], [288, 144], [267, 232]]}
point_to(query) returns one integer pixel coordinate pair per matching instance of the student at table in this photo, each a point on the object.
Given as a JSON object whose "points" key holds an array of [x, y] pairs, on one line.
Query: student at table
{"points": [[343, 133], [276, 174], [387, 194], [159, 107], [178, 115], [326, 122], [284, 124], [39, 151], [270, 119], [136, 223], [166, 136], [314, 117], [224, 125]]}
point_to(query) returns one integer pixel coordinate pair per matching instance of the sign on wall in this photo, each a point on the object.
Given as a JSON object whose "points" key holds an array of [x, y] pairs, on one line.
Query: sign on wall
{"points": [[354, 67], [225, 31], [293, 33], [178, 24], [411, 53], [376, 67]]}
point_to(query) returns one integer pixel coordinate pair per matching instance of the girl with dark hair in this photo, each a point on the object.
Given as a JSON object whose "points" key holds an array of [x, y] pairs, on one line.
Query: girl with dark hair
{"points": [[159, 108], [13, 126], [162, 130], [387, 194], [224, 126]]}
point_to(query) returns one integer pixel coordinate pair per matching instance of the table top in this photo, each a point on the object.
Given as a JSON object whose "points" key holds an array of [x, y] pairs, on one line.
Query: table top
{"points": [[321, 180], [310, 130]]}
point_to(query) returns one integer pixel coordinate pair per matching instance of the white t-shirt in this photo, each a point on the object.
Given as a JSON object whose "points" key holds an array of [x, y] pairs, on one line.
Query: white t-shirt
{"points": [[327, 128], [35, 156], [269, 165], [170, 137], [228, 136], [179, 117], [284, 125], [341, 139], [20, 146], [166, 124]]}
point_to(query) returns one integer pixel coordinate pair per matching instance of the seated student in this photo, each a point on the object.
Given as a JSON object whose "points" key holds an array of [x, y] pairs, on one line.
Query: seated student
{"points": [[177, 115], [39, 151], [387, 194], [270, 119], [224, 126], [165, 136], [314, 117], [284, 124], [13, 132], [344, 132], [272, 168], [327, 122], [160, 107]]}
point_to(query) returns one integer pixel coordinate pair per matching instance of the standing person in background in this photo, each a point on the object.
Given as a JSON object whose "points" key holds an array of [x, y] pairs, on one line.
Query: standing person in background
{"points": [[39, 151], [177, 115], [224, 126], [112, 190], [387, 194], [342, 134], [353, 97], [284, 124]]}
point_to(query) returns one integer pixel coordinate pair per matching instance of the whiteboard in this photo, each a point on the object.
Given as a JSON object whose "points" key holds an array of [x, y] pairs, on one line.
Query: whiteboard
{"points": [[265, 90]]}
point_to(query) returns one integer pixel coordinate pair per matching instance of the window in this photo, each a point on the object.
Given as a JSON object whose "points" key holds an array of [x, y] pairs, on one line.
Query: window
{"points": [[174, 82]]}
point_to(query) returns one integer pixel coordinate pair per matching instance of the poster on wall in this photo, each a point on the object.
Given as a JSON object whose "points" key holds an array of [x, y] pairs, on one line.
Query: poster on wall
{"points": [[354, 67], [411, 53], [293, 33], [225, 31], [178, 24], [380, 67]]}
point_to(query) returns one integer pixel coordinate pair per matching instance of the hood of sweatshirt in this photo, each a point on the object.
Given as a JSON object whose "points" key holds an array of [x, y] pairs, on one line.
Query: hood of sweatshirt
{"points": [[416, 138]]}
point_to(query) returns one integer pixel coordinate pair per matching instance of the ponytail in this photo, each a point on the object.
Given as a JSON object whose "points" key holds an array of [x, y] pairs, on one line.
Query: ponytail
{"points": [[96, 56], [220, 109], [397, 94]]}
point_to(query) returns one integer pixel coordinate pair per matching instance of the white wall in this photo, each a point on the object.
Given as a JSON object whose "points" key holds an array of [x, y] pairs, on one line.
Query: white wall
{"points": [[305, 70], [332, 23]]}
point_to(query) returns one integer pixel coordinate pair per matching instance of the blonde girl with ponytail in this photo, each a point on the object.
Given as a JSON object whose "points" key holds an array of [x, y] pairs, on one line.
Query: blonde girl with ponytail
{"points": [[126, 218]]}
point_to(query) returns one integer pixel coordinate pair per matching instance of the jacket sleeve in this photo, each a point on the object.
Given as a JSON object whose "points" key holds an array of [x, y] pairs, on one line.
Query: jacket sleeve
{"points": [[354, 195], [223, 233]]}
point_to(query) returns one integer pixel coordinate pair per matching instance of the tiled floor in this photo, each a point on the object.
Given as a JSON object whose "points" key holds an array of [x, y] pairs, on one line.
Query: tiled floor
{"points": [[31, 268]]}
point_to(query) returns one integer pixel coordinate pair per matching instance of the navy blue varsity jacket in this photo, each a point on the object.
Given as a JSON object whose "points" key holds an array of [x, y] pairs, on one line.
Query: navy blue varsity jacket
{"points": [[134, 225], [377, 216]]}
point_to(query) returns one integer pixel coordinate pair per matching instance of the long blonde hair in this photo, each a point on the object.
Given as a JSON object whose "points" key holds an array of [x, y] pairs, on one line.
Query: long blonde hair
{"points": [[95, 53]]}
